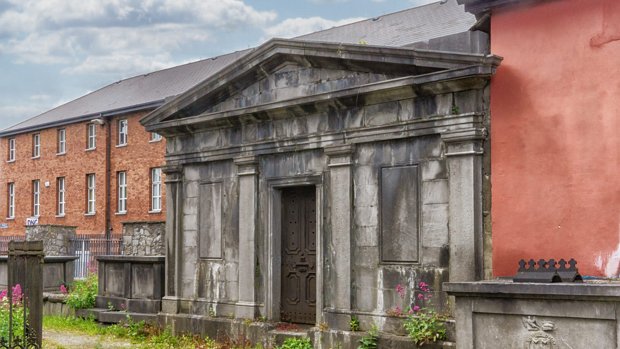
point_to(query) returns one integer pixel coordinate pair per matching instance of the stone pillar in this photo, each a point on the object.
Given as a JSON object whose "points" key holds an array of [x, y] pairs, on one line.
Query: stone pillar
{"points": [[340, 198], [464, 157], [247, 173], [174, 237]]}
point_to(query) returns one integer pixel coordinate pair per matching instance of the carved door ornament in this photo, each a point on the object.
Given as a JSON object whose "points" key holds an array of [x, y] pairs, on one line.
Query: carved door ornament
{"points": [[539, 336]]}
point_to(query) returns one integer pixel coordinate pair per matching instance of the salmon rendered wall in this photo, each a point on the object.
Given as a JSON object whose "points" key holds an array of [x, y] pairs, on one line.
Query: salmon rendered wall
{"points": [[555, 105]]}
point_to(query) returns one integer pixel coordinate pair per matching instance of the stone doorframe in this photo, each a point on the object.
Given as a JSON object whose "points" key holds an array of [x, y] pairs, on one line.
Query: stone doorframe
{"points": [[274, 234]]}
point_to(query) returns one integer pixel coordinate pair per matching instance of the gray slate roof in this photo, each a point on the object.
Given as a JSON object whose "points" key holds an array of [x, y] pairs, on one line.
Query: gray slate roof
{"points": [[401, 28], [150, 90]]}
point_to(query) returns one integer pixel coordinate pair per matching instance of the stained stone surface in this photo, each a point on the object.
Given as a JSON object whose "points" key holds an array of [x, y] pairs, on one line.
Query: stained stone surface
{"points": [[143, 238]]}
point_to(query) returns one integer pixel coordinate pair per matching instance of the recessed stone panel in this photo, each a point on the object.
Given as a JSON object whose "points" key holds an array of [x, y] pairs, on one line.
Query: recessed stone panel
{"points": [[210, 221], [399, 214]]}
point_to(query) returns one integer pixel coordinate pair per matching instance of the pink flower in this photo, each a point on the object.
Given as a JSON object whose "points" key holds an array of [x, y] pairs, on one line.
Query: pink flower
{"points": [[420, 296], [400, 290], [17, 293], [423, 284], [63, 289], [411, 311], [3, 294], [416, 308]]}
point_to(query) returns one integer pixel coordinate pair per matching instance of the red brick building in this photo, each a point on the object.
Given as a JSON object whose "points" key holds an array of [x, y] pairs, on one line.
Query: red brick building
{"points": [[89, 163]]}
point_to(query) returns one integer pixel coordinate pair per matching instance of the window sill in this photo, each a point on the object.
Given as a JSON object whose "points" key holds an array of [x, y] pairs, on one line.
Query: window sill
{"points": [[121, 213], [121, 145], [154, 211], [36, 157], [90, 149], [61, 154], [60, 216], [155, 140], [90, 214], [10, 218], [10, 161]]}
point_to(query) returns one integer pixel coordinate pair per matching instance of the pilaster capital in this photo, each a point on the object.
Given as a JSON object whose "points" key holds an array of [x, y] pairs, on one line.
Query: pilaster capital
{"points": [[246, 165], [464, 142], [174, 173], [339, 155]]}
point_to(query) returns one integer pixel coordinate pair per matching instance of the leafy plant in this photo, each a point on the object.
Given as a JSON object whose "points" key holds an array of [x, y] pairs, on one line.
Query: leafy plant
{"points": [[426, 326], [18, 315], [83, 293], [296, 343], [369, 341], [354, 324]]}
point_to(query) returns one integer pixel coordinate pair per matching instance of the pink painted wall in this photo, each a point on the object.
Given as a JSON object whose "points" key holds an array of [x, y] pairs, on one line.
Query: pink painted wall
{"points": [[555, 106]]}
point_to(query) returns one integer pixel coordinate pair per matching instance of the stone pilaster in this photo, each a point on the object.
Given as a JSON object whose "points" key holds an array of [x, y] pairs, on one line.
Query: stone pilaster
{"points": [[464, 157], [340, 197], [174, 237], [247, 174]]}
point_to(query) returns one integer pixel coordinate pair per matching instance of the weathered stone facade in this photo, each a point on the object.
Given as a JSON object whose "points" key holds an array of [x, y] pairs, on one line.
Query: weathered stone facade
{"points": [[390, 141], [56, 238], [143, 238]]}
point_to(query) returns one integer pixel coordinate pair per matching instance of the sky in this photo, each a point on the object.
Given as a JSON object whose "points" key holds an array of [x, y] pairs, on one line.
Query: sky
{"points": [[54, 51]]}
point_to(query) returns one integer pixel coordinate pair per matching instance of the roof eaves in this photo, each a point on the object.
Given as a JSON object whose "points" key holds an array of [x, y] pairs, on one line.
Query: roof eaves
{"points": [[57, 123], [478, 7]]}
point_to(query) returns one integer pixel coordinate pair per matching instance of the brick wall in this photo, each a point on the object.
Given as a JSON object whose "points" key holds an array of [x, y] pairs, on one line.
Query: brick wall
{"points": [[137, 158]]}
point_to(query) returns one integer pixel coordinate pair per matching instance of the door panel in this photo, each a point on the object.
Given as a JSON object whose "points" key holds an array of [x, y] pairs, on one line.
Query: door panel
{"points": [[298, 292]]}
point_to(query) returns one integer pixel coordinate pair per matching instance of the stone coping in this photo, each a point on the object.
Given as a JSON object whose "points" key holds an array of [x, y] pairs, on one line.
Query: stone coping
{"points": [[47, 259], [134, 259], [509, 289]]}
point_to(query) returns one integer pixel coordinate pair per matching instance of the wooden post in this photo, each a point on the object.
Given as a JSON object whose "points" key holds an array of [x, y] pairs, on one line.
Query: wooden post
{"points": [[25, 267]]}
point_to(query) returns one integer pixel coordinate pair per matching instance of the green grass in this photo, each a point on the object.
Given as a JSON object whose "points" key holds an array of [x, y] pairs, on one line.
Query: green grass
{"points": [[141, 335]]}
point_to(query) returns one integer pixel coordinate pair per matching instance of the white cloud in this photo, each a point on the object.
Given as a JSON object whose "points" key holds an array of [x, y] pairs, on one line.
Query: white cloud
{"points": [[293, 27], [90, 36]]}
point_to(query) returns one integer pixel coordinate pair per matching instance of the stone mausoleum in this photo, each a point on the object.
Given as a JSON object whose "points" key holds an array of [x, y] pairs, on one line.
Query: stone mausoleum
{"points": [[307, 180]]}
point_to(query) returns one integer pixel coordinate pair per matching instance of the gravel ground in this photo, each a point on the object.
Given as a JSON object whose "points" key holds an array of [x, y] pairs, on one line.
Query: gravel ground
{"points": [[64, 340]]}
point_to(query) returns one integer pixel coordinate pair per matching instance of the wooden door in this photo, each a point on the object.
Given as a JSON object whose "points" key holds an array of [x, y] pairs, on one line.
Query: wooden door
{"points": [[298, 294]]}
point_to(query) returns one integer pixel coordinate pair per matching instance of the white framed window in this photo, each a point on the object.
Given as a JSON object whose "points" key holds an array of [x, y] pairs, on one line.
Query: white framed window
{"points": [[122, 192], [36, 145], [155, 137], [156, 189], [62, 141], [60, 194], [36, 196], [11, 155], [91, 136], [122, 132], [10, 212], [90, 193]]}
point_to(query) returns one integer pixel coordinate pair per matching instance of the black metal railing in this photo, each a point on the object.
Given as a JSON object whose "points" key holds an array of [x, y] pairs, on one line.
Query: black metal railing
{"points": [[88, 247]]}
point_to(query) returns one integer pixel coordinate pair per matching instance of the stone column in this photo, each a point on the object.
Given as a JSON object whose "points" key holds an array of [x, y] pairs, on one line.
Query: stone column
{"points": [[464, 157], [174, 237], [247, 173], [340, 198]]}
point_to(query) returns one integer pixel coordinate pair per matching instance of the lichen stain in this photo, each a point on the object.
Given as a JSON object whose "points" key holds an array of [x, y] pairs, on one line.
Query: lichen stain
{"points": [[611, 25]]}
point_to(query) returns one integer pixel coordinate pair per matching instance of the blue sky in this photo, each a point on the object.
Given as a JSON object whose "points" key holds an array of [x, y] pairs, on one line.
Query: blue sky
{"points": [[53, 51]]}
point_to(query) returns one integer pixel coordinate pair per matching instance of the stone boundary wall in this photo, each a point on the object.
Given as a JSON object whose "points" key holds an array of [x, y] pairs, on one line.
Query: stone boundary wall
{"points": [[56, 238], [144, 238]]}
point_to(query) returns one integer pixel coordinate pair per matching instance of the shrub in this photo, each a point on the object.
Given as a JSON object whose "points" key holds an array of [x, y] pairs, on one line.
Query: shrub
{"points": [[82, 294], [296, 343]]}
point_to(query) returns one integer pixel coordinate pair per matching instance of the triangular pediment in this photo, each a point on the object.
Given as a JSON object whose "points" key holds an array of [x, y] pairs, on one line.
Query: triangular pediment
{"points": [[282, 71]]}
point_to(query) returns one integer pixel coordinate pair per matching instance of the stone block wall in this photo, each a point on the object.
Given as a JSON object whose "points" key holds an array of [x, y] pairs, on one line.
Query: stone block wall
{"points": [[56, 238], [143, 238]]}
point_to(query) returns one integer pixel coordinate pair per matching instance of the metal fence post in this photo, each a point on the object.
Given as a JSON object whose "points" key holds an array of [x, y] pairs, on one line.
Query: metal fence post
{"points": [[25, 267]]}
